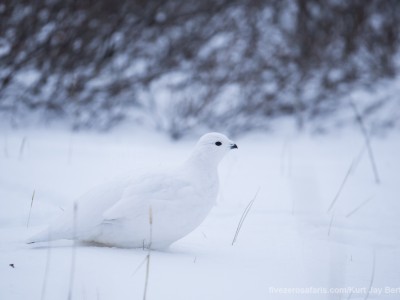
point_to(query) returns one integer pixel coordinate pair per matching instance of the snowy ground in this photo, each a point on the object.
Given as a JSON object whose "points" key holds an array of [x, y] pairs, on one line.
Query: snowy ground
{"points": [[287, 241]]}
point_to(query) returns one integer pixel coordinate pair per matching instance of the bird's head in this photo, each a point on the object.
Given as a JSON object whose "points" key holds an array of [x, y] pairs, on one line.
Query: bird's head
{"points": [[213, 146]]}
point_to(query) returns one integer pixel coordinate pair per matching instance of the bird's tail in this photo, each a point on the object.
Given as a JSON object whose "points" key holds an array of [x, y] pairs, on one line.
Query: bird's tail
{"points": [[43, 236]]}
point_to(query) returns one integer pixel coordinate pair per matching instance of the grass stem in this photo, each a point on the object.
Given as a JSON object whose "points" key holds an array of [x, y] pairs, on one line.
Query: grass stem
{"points": [[244, 215], [371, 281], [351, 168], [146, 282], [367, 138], [46, 270], [73, 257], [30, 209]]}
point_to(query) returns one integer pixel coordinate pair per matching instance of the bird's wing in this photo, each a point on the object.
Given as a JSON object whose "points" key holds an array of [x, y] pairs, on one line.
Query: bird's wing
{"points": [[87, 213], [157, 191]]}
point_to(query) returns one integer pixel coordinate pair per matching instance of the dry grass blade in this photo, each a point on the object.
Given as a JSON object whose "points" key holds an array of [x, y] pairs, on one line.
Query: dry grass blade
{"points": [[341, 186], [372, 274], [358, 207], [30, 209], [139, 266], [146, 282], [72, 272], [352, 167], [147, 276], [364, 131], [244, 215], [46, 271]]}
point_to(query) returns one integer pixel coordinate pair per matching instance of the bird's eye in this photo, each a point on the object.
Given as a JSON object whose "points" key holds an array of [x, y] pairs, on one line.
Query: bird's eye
{"points": [[218, 143]]}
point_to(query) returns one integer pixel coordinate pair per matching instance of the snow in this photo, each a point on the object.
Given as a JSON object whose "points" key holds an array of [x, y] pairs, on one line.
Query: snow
{"points": [[287, 241]]}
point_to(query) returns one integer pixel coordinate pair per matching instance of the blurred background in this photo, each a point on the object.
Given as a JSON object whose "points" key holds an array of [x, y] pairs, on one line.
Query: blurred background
{"points": [[94, 89], [180, 66]]}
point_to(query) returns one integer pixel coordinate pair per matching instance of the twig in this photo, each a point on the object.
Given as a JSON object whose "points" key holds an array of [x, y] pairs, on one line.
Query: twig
{"points": [[147, 275], [372, 274], [244, 215], [364, 131], [151, 226], [139, 266], [72, 273], [352, 167], [148, 254], [46, 270], [341, 186], [358, 207], [30, 209]]}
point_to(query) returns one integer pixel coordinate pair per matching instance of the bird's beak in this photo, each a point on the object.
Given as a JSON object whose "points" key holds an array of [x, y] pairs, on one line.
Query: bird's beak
{"points": [[234, 146]]}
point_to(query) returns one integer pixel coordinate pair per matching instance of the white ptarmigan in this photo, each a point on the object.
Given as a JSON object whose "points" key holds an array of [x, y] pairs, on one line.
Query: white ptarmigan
{"points": [[147, 210]]}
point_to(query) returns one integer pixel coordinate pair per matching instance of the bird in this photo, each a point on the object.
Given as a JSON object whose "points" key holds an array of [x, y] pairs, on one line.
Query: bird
{"points": [[147, 210]]}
